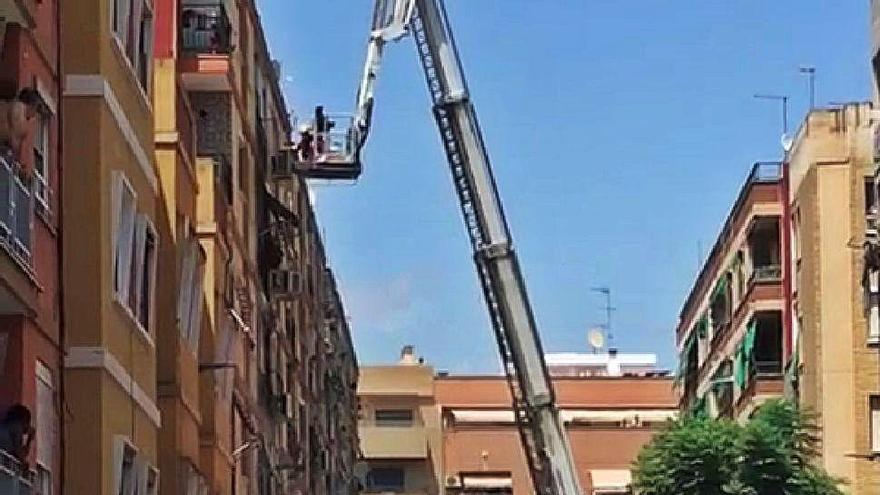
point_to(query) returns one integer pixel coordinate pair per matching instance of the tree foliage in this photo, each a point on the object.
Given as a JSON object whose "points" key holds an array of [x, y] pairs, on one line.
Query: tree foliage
{"points": [[773, 454]]}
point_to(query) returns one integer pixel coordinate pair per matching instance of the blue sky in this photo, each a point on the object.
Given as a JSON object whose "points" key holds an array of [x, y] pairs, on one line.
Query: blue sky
{"points": [[620, 133]]}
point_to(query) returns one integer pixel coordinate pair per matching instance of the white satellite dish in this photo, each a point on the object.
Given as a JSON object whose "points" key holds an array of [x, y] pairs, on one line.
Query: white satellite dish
{"points": [[596, 338], [787, 142]]}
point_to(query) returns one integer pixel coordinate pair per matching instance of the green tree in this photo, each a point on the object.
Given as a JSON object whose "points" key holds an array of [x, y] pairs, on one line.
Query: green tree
{"points": [[773, 454]]}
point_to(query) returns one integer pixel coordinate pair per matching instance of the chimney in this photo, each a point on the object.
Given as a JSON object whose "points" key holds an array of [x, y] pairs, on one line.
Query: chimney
{"points": [[408, 356], [613, 364]]}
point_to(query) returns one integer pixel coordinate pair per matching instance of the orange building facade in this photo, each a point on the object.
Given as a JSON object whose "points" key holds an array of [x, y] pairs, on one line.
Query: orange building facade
{"points": [[427, 433], [30, 330]]}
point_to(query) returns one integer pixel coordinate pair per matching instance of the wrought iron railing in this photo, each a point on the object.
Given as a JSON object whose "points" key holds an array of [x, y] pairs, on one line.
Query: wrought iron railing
{"points": [[16, 211], [767, 273], [205, 27], [14, 478]]}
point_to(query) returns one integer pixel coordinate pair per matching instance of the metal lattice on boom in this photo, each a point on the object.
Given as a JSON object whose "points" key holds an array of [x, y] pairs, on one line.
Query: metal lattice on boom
{"points": [[541, 429]]}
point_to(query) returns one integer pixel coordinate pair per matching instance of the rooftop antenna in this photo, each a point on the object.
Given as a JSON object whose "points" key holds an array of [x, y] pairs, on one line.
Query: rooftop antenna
{"points": [[810, 72], [606, 291], [784, 100]]}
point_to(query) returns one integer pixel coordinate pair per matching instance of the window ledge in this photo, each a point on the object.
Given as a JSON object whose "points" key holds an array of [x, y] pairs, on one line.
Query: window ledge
{"points": [[874, 341], [141, 331]]}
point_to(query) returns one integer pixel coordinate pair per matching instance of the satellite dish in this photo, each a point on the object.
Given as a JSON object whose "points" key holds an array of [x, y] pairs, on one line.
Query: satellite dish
{"points": [[787, 142], [596, 338]]}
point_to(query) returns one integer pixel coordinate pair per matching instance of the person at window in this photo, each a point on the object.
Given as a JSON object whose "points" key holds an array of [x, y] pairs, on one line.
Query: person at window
{"points": [[17, 117], [306, 144], [16, 433]]}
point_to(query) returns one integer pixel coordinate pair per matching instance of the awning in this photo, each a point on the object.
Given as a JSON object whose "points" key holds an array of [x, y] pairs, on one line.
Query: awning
{"points": [[486, 482], [464, 416], [702, 327], [482, 416], [649, 415], [720, 287], [610, 479]]}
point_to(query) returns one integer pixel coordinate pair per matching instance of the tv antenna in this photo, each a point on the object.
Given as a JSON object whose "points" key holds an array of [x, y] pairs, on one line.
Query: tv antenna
{"points": [[606, 291]]}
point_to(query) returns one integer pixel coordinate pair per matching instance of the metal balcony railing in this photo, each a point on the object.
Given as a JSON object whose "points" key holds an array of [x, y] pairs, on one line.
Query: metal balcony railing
{"points": [[765, 172], [768, 368], [16, 211], [14, 479], [205, 27], [767, 273]]}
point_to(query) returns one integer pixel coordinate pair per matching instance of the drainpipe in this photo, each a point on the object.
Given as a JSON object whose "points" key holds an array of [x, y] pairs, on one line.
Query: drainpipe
{"points": [[788, 268], [59, 242]]}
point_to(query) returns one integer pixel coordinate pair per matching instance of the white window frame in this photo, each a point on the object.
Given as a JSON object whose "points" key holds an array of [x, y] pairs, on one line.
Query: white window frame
{"points": [[41, 147], [145, 26], [874, 422], [872, 306], [121, 486], [188, 269], [121, 20], [124, 219], [149, 480], [46, 433]]}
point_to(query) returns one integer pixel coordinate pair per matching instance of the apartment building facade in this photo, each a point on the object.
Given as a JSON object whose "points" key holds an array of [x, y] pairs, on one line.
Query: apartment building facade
{"points": [[30, 167], [278, 366], [427, 433], [732, 333], [834, 290], [112, 418]]}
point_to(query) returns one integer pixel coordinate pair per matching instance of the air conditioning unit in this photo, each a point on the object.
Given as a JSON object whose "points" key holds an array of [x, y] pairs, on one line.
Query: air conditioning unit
{"points": [[285, 283], [283, 165], [453, 481]]}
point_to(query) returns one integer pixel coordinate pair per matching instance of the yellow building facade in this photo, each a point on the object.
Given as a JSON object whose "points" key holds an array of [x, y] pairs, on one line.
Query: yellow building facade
{"points": [[111, 244]]}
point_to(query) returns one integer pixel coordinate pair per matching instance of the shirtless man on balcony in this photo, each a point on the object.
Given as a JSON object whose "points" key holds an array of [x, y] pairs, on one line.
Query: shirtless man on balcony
{"points": [[16, 120]]}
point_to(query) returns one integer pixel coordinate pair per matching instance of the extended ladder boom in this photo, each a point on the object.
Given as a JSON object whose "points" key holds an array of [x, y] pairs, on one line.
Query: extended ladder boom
{"points": [[541, 429]]}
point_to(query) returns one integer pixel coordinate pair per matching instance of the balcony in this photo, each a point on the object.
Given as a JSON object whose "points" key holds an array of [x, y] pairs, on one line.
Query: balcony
{"points": [[18, 12], [206, 45], [13, 479], [16, 212], [390, 442]]}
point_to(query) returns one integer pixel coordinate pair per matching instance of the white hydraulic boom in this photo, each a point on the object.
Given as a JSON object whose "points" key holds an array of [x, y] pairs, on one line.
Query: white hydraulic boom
{"points": [[541, 429]]}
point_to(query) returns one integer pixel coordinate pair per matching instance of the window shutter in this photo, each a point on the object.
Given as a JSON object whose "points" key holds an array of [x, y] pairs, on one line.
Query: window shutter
{"points": [[197, 299]]}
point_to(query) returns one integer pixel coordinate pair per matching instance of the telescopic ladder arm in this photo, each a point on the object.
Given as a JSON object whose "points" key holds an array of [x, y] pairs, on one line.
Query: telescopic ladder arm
{"points": [[541, 429]]}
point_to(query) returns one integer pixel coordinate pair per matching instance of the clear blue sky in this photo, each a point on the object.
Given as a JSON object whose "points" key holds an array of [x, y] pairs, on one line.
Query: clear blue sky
{"points": [[620, 133]]}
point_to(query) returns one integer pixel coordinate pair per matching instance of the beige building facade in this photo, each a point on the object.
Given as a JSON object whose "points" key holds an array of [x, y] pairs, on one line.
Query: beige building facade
{"points": [[834, 298]]}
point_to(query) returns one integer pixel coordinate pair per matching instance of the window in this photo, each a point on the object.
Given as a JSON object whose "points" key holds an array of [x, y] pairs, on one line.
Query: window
{"points": [[148, 277], [45, 426], [41, 160], [133, 28], [394, 417], [126, 475], [151, 481], [872, 304], [124, 204], [135, 249], [191, 297], [386, 478], [874, 403]]}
